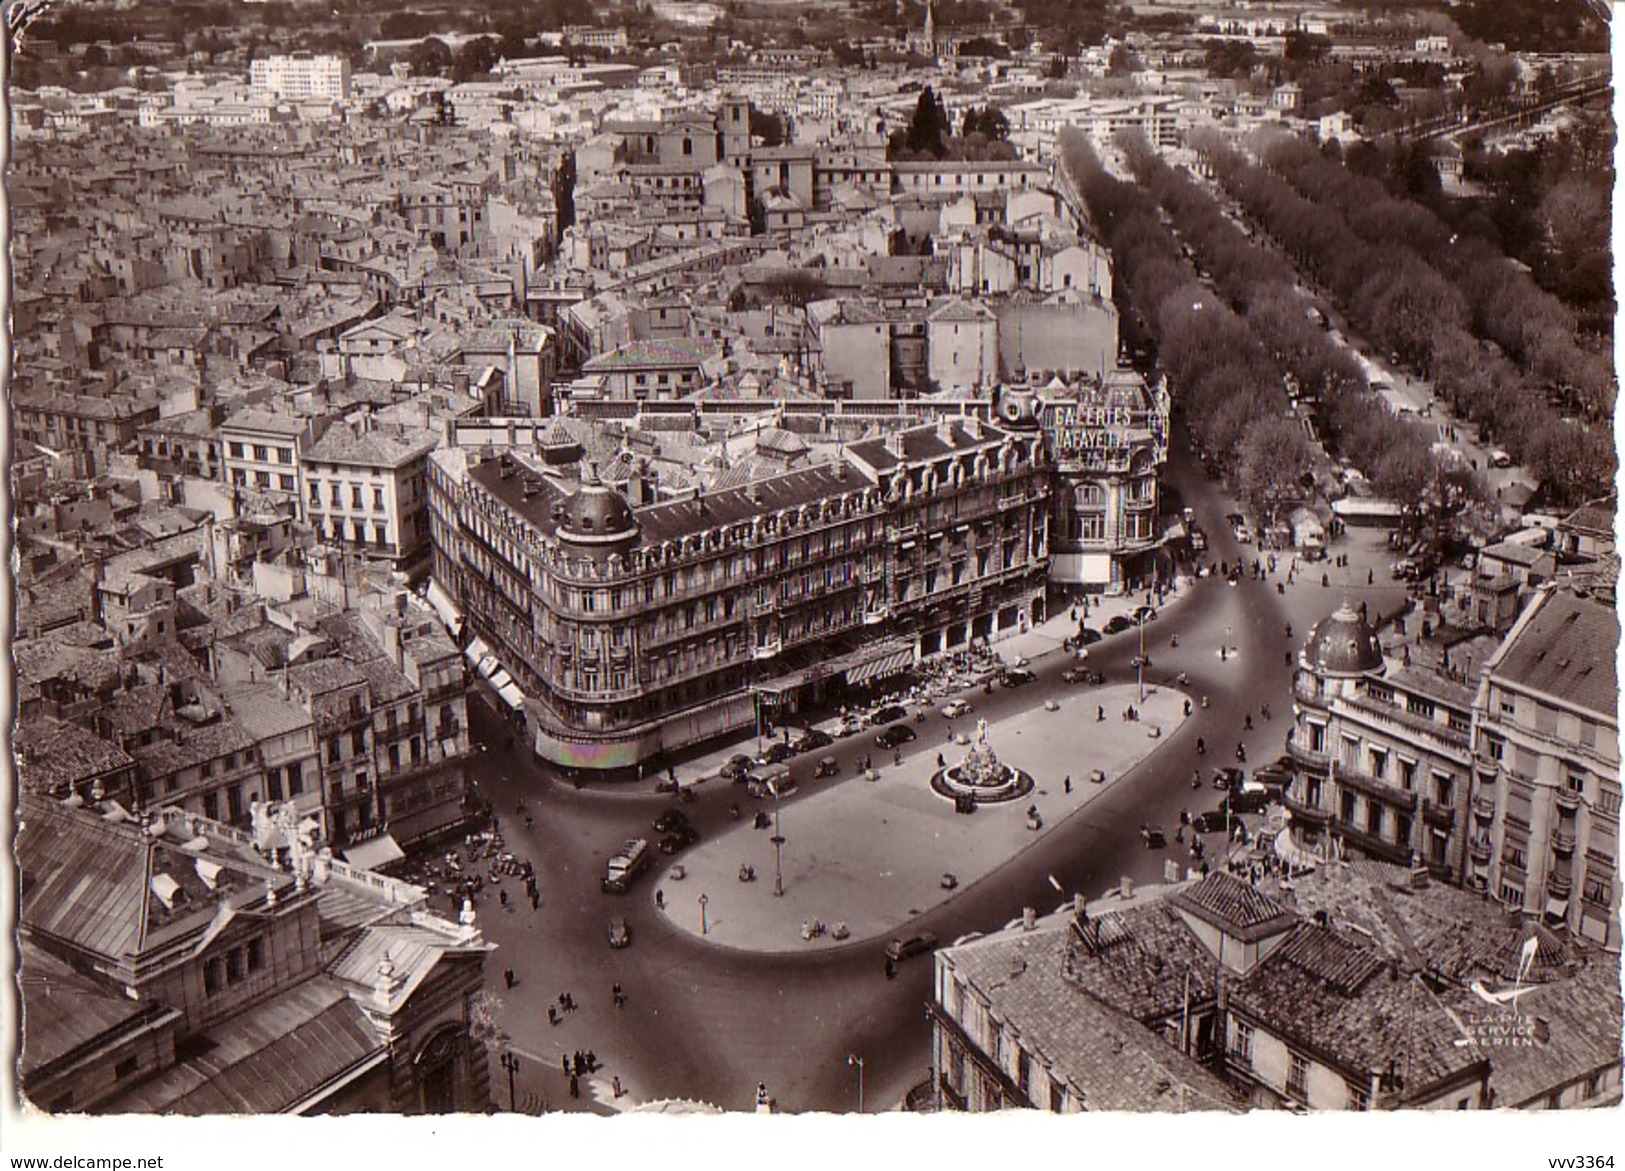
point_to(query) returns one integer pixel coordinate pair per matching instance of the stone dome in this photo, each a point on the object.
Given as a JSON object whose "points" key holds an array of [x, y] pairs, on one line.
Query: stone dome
{"points": [[1344, 644], [596, 514]]}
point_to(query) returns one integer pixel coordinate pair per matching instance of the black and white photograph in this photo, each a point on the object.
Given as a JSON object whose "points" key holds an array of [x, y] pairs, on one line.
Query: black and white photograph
{"points": [[781, 562]]}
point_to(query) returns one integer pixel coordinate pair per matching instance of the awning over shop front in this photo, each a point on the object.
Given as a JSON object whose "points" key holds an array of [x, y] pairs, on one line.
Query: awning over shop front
{"points": [[884, 664], [1557, 908], [488, 666], [512, 696], [374, 852], [475, 651], [501, 679], [443, 605]]}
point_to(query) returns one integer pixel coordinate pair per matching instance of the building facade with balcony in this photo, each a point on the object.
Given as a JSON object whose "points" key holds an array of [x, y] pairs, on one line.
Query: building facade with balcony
{"points": [[1380, 746], [1107, 439], [638, 630], [1546, 780]]}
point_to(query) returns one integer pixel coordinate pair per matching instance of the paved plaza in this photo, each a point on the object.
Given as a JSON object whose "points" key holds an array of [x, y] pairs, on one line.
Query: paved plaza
{"points": [[873, 854]]}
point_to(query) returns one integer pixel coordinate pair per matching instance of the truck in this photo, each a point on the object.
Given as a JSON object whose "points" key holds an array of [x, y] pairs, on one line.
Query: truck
{"points": [[621, 869]]}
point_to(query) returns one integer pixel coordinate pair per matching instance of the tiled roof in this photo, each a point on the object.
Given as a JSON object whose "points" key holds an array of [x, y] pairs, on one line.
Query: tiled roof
{"points": [[54, 755], [1236, 907], [1565, 647], [370, 446], [321, 676], [1323, 953], [1142, 969], [195, 743], [266, 1061], [262, 711], [1115, 1062], [1581, 1021], [1386, 1021]]}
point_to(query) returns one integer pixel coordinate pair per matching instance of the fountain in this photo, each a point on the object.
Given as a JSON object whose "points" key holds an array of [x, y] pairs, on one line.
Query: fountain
{"points": [[981, 777]]}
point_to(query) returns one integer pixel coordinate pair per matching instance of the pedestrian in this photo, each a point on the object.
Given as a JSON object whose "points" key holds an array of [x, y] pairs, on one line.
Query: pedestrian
{"points": [[562, 1002], [592, 1062], [553, 1019], [504, 897], [1248, 724], [507, 977], [1370, 577], [569, 1002], [660, 900], [575, 1062], [1100, 713], [615, 993], [1266, 711], [564, 1060], [941, 761], [897, 756], [1068, 782], [615, 1084], [575, 1086], [535, 900]]}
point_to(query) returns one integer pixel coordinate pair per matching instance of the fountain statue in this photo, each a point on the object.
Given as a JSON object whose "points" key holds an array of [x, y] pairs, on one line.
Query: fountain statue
{"points": [[981, 777]]}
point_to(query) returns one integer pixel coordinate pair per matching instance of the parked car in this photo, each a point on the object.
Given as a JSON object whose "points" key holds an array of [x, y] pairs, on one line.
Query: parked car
{"points": [[955, 708], [1250, 798], [1017, 677], [1275, 775], [1118, 623], [736, 767], [1214, 821], [895, 736], [670, 820], [1088, 636], [1145, 614], [902, 949], [1228, 778], [776, 753], [811, 740], [888, 714], [620, 933]]}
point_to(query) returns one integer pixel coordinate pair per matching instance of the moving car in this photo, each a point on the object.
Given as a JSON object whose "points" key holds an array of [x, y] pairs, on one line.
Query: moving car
{"points": [[736, 767], [1153, 837], [902, 949], [812, 739], [1118, 623], [1198, 540], [1088, 635], [1213, 821], [620, 933], [887, 715], [1228, 778], [679, 838], [896, 735], [1017, 677], [1145, 614], [827, 767], [670, 820], [955, 708], [1081, 675]]}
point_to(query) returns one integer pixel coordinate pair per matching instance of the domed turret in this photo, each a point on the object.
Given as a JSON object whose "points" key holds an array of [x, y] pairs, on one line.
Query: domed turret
{"points": [[596, 516], [1344, 644]]}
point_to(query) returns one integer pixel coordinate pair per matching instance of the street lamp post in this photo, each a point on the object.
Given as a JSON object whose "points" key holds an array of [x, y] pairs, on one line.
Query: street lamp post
{"points": [[705, 924], [778, 851], [510, 1062], [854, 1059], [1139, 671]]}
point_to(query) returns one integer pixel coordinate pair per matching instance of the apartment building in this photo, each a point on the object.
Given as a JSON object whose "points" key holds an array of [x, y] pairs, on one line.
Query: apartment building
{"points": [[1381, 743], [301, 77], [1546, 780], [365, 488], [637, 630]]}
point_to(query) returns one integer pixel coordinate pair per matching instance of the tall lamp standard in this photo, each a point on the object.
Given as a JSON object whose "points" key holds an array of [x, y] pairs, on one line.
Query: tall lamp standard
{"points": [[510, 1062], [1139, 663], [854, 1059], [778, 850]]}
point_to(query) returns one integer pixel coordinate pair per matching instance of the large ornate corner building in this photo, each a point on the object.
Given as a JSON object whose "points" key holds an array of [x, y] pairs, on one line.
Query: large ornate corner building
{"points": [[1107, 438], [1493, 764], [634, 630]]}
